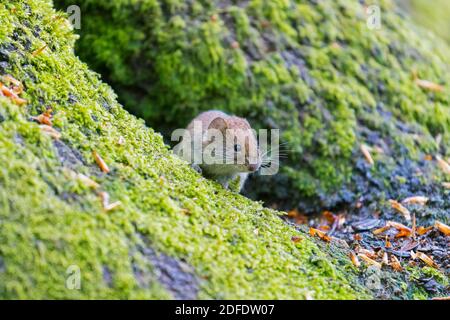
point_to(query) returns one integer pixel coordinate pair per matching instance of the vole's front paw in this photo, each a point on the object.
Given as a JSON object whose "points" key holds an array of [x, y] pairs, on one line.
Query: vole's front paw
{"points": [[197, 168]]}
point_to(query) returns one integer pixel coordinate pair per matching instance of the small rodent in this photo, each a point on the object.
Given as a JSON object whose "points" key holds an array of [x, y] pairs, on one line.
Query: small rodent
{"points": [[239, 158]]}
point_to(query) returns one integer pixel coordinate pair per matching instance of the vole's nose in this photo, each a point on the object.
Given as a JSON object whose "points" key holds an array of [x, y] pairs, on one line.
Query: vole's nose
{"points": [[253, 167]]}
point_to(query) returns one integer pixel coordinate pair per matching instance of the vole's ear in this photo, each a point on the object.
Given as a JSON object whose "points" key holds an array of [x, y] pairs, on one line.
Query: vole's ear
{"points": [[218, 124]]}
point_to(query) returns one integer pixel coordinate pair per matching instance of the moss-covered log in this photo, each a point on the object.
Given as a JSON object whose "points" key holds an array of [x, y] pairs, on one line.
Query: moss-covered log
{"points": [[173, 234], [311, 68]]}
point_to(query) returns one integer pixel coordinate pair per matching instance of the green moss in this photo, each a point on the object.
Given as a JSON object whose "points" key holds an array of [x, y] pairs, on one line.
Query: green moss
{"points": [[50, 220], [312, 69]]}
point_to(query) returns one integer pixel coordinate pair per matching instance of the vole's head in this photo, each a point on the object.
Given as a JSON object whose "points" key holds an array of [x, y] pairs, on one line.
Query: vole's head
{"points": [[239, 150]]}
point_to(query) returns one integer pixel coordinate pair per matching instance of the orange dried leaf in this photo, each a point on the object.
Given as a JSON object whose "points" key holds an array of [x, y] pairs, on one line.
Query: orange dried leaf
{"points": [[369, 260], [366, 152], [398, 207], [416, 200], [395, 263], [43, 119], [50, 131], [443, 165], [86, 180], [7, 92], [403, 233], [4, 90], [357, 237], [322, 235], [428, 85], [19, 101], [324, 228], [398, 226], [112, 206], [445, 229], [355, 260], [100, 162], [296, 239], [104, 196], [369, 253], [428, 260], [38, 51], [381, 230], [17, 86], [329, 216], [422, 230], [388, 244]]}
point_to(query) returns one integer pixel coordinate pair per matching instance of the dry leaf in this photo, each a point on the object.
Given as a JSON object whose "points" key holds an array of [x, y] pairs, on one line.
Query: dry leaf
{"points": [[322, 235], [428, 260], [446, 185], [39, 51], [445, 229], [44, 118], [429, 85], [369, 253], [365, 151], [385, 259], [398, 226], [50, 131], [403, 233], [421, 230], [443, 165], [395, 263], [355, 260], [87, 181], [296, 239], [17, 86], [105, 202], [324, 228], [381, 230], [112, 206], [369, 260], [387, 243], [7, 92], [100, 162], [416, 200], [397, 206]]}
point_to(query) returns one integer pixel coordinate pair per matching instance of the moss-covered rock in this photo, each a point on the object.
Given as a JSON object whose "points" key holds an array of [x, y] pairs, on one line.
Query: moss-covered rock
{"points": [[175, 234], [311, 68]]}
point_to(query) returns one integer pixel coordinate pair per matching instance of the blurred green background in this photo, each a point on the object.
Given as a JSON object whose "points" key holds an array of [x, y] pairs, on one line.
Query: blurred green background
{"points": [[434, 14]]}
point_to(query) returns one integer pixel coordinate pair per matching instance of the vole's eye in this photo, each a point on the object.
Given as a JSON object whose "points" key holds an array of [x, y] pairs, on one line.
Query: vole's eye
{"points": [[237, 147]]}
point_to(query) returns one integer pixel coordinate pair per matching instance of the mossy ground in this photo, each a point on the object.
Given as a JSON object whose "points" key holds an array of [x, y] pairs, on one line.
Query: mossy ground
{"points": [[50, 220], [311, 68]]}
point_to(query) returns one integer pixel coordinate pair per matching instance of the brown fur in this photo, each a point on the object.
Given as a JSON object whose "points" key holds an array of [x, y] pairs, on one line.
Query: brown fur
{"points": [[226, 172]]}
